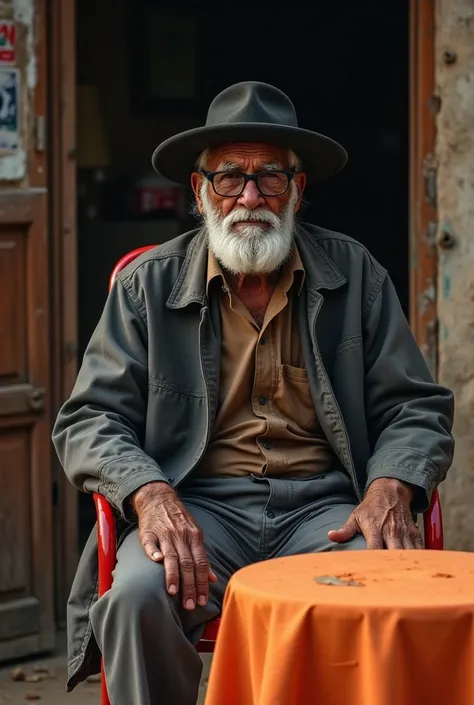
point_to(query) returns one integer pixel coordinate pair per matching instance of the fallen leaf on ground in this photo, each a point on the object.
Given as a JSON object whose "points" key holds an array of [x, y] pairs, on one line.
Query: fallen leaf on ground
{"points": [[17, 674]]}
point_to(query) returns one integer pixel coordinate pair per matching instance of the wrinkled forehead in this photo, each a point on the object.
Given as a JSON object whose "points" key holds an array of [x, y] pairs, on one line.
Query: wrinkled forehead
{"points": [[248, 155]]}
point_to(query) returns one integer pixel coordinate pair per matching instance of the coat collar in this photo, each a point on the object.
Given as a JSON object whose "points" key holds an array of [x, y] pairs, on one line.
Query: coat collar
{"points": [[321, 271], [190, 286]]}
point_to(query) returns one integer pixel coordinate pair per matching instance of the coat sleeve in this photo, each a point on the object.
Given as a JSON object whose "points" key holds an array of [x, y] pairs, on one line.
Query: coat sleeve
{"points": [[409, 416], [100, 429]]}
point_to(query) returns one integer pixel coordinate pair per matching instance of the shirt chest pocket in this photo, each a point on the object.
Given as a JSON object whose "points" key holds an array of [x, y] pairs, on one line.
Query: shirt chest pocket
{"points": [[293, 399]]}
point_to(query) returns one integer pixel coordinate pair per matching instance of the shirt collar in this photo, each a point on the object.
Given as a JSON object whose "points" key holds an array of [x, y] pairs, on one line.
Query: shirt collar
{"points": [[292, 272]]}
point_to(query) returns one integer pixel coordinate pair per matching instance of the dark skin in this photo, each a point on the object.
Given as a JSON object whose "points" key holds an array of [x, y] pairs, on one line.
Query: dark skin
{"points": [[384, 517], [168, 533]]}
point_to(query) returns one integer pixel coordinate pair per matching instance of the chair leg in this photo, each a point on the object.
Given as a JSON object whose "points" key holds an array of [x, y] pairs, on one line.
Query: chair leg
{"points": [[433, 524]]}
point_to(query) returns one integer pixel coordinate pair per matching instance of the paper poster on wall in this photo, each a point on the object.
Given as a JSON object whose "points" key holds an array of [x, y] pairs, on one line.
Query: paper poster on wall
{"points": [[9, 110], [7, 42]]}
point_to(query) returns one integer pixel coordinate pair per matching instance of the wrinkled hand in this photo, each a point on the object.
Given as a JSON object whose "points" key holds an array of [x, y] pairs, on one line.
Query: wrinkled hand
{"points": [[169, 534], [383, 517]]}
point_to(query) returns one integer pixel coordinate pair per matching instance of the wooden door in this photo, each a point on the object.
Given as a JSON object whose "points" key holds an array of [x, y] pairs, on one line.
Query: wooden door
{"points": [[26, 622], [26, 557], [424, 104], [62, 226]]}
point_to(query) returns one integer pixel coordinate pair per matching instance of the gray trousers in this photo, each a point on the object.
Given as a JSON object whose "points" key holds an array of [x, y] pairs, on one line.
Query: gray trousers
{"points": [[146, 636]]}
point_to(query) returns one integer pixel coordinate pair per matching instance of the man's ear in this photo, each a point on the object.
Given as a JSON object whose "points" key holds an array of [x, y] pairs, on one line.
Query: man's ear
{"points": [[300, 181], [196, 183]]}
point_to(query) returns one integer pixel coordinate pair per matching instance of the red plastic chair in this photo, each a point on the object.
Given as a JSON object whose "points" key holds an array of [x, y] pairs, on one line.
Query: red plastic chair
{"points": [[432, 523]]}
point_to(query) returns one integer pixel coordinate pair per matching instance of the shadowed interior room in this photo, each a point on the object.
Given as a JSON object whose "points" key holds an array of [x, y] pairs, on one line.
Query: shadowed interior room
{"points": [[146, 70]]}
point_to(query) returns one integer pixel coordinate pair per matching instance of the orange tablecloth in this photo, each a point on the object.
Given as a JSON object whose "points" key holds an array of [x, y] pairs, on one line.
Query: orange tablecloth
{"points": [[403, 635]]}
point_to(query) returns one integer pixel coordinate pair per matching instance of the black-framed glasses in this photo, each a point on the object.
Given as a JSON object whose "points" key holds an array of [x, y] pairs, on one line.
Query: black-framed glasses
{"points": [[230, 184]]}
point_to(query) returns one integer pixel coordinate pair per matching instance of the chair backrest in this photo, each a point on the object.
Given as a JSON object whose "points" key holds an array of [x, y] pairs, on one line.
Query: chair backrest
{"points": [[432, 518], [126, 259]]}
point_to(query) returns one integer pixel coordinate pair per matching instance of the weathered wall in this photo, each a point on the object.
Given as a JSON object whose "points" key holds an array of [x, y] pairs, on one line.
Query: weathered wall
{"points": [[14, 162], [455, 152]]}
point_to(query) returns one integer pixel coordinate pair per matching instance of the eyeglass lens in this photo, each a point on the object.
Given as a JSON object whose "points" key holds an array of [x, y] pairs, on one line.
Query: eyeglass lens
{"points": [[269, 183]]}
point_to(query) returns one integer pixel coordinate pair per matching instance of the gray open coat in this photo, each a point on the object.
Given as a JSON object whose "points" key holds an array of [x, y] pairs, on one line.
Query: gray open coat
{"points": [[145, 399]]}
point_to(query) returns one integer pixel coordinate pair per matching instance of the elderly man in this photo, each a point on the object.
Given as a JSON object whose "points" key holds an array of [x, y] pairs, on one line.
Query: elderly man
{"points": [[252, 390]]}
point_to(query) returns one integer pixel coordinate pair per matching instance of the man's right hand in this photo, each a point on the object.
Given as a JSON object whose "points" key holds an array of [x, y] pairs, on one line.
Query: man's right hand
{"points": [[169, 535]]}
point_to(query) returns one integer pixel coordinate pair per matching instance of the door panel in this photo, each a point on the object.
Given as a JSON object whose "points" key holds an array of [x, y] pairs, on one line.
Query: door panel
{"points": [[14, 525], [12, 333], [26, 569]]}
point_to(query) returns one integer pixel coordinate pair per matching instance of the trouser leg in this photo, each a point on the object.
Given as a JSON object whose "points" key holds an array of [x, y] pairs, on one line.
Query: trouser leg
{"points": [[145, 635], [309, 509]]}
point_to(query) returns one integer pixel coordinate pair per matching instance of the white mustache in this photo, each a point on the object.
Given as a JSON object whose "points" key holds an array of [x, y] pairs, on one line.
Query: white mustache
{"points": [[259, 215]]}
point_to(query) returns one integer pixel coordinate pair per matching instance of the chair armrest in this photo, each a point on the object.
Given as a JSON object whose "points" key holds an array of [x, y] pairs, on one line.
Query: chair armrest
{"points": [[107, 542], [433, 524]]}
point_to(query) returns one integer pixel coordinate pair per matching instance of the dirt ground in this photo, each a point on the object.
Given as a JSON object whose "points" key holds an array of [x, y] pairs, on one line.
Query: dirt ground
{"points": [[46, 678]]}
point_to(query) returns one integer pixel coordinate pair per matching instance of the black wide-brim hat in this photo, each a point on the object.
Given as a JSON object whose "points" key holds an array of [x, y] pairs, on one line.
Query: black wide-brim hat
{"points": [[249, 112]]}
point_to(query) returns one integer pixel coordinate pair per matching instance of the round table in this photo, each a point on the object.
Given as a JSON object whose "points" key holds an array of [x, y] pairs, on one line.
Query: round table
{"points": [[348, 628]]}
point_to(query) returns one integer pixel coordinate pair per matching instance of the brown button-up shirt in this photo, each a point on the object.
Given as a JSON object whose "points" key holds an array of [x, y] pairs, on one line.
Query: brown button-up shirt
{"points": [[265, 422]]}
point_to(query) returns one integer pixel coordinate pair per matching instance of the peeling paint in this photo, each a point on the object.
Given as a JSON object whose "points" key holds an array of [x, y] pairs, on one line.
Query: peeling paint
{"points": [[446, 286], [455, 155], [24, 13], [14, 167], [426, 299]]}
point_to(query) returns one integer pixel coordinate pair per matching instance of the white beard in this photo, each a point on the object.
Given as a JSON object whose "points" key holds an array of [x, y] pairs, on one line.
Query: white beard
{"points": [[254, 249]]}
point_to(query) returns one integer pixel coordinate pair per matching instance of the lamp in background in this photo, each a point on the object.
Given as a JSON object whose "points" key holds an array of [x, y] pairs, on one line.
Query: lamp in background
{"points": [[92, 154]]}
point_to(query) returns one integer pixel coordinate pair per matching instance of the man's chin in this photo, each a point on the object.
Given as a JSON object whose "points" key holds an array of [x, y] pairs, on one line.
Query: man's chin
{"points": [[255, 266]]}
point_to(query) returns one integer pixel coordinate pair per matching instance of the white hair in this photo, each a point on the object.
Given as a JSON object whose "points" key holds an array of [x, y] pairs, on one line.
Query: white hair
{"points": [[261, 246]]}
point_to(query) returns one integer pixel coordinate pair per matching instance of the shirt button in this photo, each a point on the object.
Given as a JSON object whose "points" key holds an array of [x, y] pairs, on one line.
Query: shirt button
{"points": [[262, 401], [266, 445], [270, 514], [263, 341]]}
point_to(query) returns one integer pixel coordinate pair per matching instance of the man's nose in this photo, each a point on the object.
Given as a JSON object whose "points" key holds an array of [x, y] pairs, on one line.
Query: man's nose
{"points": [[251, 197]]}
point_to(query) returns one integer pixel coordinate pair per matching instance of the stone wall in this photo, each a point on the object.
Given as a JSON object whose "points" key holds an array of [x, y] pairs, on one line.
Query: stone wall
{"points": [[455, 157]]}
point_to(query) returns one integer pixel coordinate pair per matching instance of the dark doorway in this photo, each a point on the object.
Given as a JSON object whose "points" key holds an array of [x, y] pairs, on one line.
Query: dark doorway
{"points": [[344, 65]]}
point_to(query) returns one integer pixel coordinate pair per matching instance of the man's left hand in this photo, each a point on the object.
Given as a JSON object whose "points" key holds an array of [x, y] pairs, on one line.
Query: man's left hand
{"points": [[384, 517]]}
